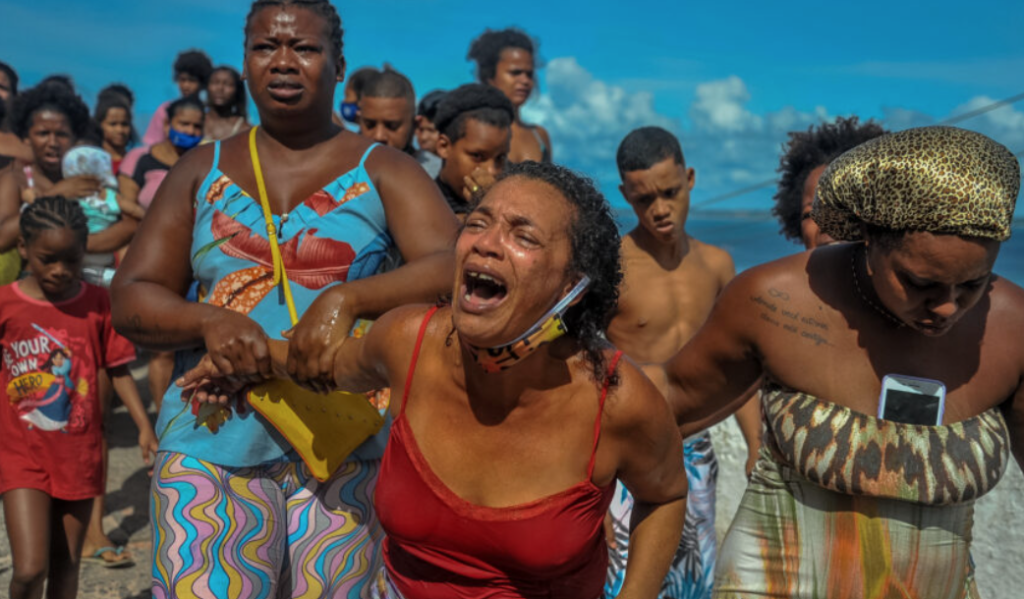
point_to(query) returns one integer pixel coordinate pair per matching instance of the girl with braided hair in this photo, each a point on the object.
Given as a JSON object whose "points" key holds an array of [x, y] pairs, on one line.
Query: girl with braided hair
{"points": [[56, 335], [235, 511]]}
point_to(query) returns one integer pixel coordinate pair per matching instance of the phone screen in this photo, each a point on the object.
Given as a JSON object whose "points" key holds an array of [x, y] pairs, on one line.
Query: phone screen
{"points": [[911, 408]]}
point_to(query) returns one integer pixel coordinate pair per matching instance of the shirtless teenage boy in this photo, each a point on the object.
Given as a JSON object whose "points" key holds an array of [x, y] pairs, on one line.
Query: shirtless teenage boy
{"points": [[671, 282]]}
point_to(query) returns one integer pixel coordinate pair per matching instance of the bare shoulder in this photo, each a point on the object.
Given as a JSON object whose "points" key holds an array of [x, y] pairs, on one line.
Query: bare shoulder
{"points": [[401, 326], [197, 161], [629, 247], [1007, 304], [785, 272], [385, 162], [544, 135], [717, 259], [634, 402]]}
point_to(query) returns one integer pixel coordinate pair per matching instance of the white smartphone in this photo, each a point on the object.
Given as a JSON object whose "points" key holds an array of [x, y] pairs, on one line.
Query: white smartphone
{"points": [[912, 400]]}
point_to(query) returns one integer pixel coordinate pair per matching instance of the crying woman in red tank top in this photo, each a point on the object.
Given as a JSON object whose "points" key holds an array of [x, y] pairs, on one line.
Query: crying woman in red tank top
{"points": [[516, 416]]}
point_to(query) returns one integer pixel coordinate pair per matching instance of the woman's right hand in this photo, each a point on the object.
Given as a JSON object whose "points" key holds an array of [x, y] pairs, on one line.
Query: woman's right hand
{"points": [[237, 347], [74, 188]]}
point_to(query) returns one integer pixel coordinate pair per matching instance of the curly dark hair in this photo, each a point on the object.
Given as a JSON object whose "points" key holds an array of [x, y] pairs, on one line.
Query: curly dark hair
{"points": [[53, 212], [49, 96], [486, 50], [196, 63], [239, 104], [475, 101], [595, 253], [12, 76], [806, 151], [323, 8]]}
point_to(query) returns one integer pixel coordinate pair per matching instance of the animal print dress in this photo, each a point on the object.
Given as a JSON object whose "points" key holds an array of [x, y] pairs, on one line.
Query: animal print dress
{"points": [[844, 505]]}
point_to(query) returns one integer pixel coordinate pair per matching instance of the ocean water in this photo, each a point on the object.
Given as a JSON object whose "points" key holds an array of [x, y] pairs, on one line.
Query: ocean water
{"points": [[753, 238]]}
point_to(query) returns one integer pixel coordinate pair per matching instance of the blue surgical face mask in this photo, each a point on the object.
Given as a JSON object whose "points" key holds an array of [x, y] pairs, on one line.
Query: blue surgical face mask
{"points": [[183, 140], [350, 112]]}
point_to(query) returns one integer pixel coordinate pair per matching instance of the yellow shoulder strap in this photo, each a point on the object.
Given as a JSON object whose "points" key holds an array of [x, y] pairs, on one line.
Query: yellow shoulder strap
{"points": [[280, 275]]}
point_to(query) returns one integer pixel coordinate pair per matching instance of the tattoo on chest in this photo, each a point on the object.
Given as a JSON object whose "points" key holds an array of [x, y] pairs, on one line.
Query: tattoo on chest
{"points": [[774, 308]]}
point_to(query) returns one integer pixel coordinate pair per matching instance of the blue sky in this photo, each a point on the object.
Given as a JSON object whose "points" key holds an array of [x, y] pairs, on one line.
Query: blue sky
{"points": [[730, 78]]}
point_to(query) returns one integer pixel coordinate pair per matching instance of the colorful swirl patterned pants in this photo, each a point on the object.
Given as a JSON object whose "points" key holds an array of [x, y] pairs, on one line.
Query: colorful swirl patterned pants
{"points": [[263, 532]]}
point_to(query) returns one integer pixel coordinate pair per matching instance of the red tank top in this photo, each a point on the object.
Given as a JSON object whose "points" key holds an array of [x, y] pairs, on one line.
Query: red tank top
{"points": [[439, 545]]}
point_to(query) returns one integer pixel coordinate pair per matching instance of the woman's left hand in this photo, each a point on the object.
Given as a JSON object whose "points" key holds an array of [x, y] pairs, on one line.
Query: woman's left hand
{"points": [[315, 341]]}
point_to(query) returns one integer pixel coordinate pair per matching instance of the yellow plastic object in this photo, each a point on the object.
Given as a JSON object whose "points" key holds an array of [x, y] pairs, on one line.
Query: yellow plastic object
{"points": [[323, 429]]}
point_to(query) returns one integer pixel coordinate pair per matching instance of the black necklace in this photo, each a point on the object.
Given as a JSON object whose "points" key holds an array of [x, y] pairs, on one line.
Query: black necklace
{"points": [[856, 283]]}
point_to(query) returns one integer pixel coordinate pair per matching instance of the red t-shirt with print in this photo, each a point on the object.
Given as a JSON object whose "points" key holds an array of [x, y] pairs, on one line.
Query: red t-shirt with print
{"points": [[50, 424]]}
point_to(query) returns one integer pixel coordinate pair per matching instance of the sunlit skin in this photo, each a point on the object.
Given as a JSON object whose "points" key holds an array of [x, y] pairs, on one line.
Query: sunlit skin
{"points": [[6, 88], [810, 233], [482, 150], [660, 197], [518, 235], [54, 258], [426, 134], [117, 131], [464, 419], [387, 120], [515, 76], [957, 323], [671, 280], [289, 61], [930, 281], [291, 68]]}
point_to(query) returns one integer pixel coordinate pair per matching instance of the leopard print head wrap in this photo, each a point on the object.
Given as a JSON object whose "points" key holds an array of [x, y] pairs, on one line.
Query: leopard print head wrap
{"points": [[935, 179]]}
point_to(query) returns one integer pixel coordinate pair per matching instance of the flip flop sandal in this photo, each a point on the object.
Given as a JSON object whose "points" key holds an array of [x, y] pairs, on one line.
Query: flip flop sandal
{"points": [[98, 559]]}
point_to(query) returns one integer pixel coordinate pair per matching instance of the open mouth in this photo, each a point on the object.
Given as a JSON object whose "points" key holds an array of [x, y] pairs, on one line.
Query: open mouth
{"points": [[481, 291]]}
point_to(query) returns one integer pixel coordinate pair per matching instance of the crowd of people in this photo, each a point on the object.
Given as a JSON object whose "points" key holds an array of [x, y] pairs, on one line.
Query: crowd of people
{"points": [[396, 351]]}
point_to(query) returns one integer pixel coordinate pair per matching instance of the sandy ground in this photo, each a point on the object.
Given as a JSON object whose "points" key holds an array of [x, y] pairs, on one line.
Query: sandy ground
{"points": [[127, 518]]}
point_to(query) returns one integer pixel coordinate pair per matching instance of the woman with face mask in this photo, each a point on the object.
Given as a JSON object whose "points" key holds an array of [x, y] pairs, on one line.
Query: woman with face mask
{"points": [[192, 70], [184, 131]]}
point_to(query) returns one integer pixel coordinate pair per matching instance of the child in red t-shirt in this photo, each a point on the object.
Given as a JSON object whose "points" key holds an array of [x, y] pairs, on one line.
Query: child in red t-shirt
{"points": [[55, 334]]}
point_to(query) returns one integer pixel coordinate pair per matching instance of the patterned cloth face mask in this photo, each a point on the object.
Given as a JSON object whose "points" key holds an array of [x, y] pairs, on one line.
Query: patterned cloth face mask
{"points": [[547, 329]]}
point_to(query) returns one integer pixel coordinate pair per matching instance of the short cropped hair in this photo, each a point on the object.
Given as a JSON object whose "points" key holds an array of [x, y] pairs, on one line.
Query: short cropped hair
{"points": [[645, 147]]}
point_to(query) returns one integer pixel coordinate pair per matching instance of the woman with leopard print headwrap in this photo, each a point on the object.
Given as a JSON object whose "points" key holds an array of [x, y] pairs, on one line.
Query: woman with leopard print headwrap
{"points": [[843, 503]]}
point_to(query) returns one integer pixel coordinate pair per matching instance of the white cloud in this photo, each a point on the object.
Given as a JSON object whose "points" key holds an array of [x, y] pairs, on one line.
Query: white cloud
{"points": [[729, 145], [720, 107], [1004, 124], [587, 118]]}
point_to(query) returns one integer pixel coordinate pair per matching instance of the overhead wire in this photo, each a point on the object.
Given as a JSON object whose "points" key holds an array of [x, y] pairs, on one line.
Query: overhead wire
{"points": [[773, 181]]}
